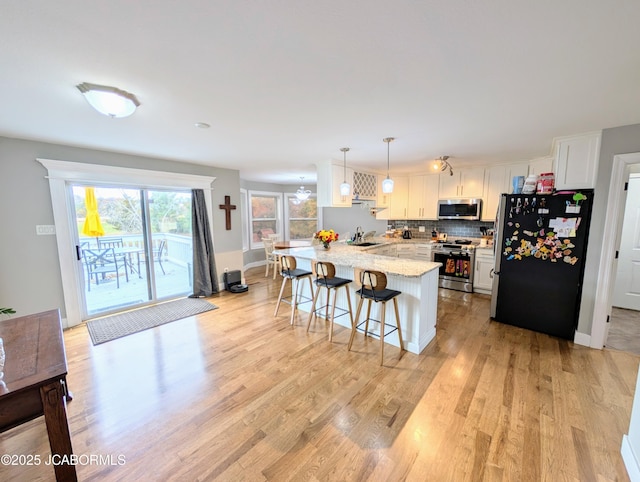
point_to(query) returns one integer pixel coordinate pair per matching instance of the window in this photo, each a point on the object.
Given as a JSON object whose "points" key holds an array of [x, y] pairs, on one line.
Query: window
{"points": [[265, 216], [302, 217]]}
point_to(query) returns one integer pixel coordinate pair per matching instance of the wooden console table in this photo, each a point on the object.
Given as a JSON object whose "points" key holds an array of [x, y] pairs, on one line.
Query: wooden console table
{"points": [[34, 382]]}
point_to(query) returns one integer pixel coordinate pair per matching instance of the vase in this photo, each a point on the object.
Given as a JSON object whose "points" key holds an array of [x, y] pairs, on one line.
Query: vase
{"points": [[326, 245]]}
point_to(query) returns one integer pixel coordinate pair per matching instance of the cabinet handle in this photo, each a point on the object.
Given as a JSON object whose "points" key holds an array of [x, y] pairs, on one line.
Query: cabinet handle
{"points": [[461, 190], [491, 273], [477, 265]]}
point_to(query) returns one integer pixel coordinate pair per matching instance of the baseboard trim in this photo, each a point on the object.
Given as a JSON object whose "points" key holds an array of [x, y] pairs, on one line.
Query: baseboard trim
{"points": [[630, 460], [582, 339]]}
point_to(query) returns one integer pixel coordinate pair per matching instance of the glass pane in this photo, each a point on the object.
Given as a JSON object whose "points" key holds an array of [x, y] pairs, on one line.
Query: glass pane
{"points": [[110, 235], [263, 207], [171, 242], [262, 229], [306, 209], [301, 229]]}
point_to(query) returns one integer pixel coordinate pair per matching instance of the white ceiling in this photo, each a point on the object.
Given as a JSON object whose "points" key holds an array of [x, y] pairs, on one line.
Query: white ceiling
{"points": [[285, 84]]}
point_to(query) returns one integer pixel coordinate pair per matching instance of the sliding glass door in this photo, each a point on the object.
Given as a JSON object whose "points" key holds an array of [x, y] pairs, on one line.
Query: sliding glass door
{"points": [[134, 246]]}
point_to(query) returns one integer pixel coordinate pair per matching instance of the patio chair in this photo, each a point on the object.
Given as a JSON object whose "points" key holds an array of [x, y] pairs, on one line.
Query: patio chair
{"points": [[100, 262], [158, 251], [110, 243]]}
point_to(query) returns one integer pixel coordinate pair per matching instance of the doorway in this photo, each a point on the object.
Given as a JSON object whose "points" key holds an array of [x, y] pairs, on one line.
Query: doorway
{"points": [[623, 165], [135, 246]]}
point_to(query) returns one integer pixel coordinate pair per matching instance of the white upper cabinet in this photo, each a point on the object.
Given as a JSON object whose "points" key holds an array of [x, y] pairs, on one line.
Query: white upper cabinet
{"points": [[541, 165], [498, 180], [467, 182], [423, 197], [577, 161], [330, 176], [399, 199]]}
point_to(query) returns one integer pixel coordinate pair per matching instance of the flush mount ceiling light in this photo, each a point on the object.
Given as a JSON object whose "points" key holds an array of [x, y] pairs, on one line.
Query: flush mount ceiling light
{"points": [[109, 100], [387, 184], [344, 187], [441, 164], [302, 194]]}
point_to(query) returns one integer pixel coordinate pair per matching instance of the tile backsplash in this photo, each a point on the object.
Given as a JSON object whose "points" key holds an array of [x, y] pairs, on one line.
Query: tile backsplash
{"points": [[454, 229]]}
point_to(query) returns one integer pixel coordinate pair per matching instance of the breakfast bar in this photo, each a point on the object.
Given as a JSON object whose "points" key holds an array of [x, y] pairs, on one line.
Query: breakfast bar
{"points": [[417, 280]]}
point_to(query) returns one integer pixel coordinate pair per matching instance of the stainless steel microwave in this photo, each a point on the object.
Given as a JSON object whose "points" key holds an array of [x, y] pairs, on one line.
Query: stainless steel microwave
{"points": [[469, 209]]}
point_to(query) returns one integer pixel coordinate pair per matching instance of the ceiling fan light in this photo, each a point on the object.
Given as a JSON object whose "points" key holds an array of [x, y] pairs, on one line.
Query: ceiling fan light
{"points": [[110, 101]]}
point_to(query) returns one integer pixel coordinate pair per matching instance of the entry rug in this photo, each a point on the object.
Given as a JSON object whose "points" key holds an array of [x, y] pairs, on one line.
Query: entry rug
{"points": [[117, 326]]}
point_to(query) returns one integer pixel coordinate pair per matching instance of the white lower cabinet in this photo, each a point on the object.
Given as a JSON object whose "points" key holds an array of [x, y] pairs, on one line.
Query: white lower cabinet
{"points": [[483, 273], [406, 250]]}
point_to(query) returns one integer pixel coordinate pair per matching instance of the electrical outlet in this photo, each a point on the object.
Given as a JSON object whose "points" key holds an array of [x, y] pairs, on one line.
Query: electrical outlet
{"points": [[45, 229]]}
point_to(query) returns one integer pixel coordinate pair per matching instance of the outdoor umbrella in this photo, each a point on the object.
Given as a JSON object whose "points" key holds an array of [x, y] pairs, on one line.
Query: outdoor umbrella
{"points": [[92, 225]]}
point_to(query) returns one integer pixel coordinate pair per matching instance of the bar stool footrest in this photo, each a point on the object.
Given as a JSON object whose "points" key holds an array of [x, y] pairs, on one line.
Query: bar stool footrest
{"points": [[318, 313], [373, 334]]}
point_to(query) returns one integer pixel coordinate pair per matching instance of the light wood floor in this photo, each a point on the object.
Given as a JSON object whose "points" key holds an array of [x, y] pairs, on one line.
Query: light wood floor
{"points": [[236, 394]]}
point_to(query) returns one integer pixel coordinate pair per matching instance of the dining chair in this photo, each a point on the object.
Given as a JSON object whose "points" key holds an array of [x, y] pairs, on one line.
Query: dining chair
{"points": [[271, 258]]}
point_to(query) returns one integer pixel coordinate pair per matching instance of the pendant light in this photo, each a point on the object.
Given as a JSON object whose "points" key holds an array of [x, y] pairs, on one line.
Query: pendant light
{"points": [[387, 184], [302, 194], [345, 188]]}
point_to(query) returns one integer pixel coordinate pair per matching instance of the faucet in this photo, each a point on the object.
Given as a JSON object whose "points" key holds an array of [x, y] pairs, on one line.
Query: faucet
{"points": [[357, 238]]}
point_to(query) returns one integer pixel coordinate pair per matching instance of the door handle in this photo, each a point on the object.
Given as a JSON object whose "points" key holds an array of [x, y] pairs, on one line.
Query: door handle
{"points": [[78, 254], [491, 273]]}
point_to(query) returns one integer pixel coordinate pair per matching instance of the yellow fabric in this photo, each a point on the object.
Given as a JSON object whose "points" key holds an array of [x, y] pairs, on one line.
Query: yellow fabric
{"points": [[92, 225]]}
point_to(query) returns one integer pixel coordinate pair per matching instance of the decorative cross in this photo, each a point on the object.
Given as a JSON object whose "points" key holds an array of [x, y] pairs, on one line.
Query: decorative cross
{"points": [[228, 207]]}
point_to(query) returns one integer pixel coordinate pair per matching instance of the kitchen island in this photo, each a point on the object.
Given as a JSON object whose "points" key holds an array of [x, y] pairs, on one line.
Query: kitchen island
{"points": [[417, 280]]}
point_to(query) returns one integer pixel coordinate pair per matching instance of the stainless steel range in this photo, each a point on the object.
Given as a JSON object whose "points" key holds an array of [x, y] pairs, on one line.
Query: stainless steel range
{"points": [[458, 260]]}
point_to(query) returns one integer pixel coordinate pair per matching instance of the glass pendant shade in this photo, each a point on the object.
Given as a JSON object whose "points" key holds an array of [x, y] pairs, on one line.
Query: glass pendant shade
{"points": [[345, 188], [387, 185], [108, 100]]}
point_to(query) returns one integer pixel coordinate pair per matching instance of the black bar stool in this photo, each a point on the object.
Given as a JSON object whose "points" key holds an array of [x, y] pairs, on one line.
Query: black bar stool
{"points": [[325, 274], [373, 287], [291, 272]]}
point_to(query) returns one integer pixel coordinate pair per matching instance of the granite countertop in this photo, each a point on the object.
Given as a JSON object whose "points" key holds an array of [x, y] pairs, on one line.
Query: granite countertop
{"points": [[353, 256]]}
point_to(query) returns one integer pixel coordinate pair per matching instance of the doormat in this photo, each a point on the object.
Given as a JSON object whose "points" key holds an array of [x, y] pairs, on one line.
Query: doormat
{"points": [[117, 326]]}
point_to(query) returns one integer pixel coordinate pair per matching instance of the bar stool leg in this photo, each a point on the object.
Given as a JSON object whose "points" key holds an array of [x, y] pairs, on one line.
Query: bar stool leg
{"points": [[349, 304], [395, 306], [366, 323], [353, 329], [384, 309], [333, 310], [313, 307], [294, 298], [284, 281]]}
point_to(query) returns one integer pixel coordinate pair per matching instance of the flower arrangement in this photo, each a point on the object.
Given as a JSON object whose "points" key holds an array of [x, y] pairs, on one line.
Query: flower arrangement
{"points": [[326, 237]]}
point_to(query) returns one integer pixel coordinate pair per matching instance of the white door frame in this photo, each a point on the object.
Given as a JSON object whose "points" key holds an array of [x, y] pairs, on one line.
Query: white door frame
{"points": [[606, 272], [61, 173]]}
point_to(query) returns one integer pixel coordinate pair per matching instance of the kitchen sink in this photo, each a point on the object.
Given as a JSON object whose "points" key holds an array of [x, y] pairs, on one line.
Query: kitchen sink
{"points": [[366, 244]]}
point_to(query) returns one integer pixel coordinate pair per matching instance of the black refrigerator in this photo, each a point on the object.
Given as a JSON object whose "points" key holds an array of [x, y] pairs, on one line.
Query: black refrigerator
{"points": [[540, 246]]}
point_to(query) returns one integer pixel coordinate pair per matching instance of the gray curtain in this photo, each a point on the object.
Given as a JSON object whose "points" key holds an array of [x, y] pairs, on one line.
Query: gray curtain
{"points": [[205, 277]]}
